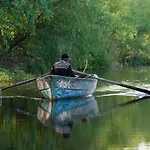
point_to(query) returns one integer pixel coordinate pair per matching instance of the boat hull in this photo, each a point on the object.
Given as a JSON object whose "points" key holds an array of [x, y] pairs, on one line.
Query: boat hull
{"points": [[60, 87]]}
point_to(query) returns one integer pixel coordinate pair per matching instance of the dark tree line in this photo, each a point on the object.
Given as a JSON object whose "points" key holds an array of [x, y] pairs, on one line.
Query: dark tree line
{"points": [[33, 34]]}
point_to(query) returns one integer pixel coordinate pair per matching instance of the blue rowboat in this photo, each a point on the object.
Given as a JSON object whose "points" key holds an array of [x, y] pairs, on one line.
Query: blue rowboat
{"points": [[60, 87], [64, 112]]}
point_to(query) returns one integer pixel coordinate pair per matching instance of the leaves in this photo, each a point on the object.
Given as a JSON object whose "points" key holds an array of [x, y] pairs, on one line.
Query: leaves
{"points": [[100, 32]]}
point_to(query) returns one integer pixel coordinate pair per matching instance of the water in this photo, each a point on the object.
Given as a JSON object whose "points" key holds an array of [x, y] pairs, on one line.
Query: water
{"points": [[99, 124]]}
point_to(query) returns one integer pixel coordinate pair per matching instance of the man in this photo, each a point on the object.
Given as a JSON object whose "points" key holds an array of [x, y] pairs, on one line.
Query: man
{"points": [[63, 68]]}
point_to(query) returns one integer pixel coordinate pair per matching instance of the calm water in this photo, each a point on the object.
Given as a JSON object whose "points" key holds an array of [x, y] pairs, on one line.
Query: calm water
{"points": [[99, 122]]}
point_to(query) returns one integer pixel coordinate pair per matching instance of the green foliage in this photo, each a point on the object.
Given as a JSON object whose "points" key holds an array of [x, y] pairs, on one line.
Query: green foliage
{"points": [[5, 77], [33, 34], [84, 31], [13, 75], [135, 58], [18, 75], [18, 22]]}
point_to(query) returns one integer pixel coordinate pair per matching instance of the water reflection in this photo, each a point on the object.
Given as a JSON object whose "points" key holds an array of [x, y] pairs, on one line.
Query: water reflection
{"points": [[62, 114], [110, 128]]}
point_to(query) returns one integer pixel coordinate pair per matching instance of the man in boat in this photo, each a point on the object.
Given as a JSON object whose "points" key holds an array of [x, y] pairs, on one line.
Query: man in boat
{"points": [[63, 68]]}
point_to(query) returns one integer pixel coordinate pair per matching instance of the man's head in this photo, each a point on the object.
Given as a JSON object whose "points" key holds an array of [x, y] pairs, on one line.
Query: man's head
{"points": [[65, 57]]}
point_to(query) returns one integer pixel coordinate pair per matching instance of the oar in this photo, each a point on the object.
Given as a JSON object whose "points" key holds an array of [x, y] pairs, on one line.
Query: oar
{"points": [[22, 82], [113, 82]]}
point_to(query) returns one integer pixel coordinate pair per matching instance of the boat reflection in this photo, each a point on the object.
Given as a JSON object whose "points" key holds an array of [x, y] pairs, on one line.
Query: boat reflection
{"points": [[63, 113]]}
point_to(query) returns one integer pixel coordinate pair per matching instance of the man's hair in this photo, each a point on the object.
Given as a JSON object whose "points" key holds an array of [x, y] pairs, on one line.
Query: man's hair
{"points": [[64, 56]]}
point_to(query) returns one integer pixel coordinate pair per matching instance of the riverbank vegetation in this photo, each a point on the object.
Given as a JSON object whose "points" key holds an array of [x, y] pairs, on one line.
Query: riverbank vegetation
{"points": [[13, 75], [103, 33]]}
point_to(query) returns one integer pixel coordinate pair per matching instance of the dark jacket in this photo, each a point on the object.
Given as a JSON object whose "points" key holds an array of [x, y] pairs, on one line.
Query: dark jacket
{"points": [[62, 68]]}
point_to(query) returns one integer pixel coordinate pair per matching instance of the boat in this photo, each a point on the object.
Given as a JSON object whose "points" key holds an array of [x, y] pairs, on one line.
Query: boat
{"points": [[62, 114], [60, 87]]}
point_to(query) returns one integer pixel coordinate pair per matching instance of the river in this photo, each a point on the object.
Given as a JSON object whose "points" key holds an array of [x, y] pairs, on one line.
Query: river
{"points": [[106, 124]]}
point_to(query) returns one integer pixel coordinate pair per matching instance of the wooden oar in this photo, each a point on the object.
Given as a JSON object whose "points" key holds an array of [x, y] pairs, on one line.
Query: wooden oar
{"points": [[20, 83], [113, 82]]}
